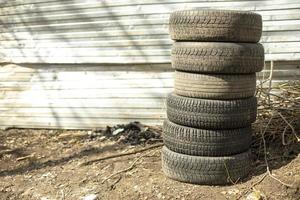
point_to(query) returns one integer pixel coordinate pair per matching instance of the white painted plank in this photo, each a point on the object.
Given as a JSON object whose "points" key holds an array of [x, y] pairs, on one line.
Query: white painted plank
{"points": [[143, 34], [124, 60], [86, 123], [92, 60], [135, 83], [85, 113], [162, 50], [15, 3], [87, 93], [129, 24], [128, 43], [84, 103], [103, 77], [86, 68], [19, 21], [83, 76], [164, 8], [118, 55], [65, 35]]}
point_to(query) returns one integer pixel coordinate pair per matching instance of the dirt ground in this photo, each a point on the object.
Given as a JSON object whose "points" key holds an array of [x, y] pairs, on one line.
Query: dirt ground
{"points": [[49, 164]]}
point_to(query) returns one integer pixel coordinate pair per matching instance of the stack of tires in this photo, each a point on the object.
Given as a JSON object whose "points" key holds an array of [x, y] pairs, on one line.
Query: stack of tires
{"points": [[207, 134]]}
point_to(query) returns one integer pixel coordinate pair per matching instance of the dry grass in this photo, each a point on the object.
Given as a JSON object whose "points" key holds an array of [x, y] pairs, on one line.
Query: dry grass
{"points": [[279, 113]]}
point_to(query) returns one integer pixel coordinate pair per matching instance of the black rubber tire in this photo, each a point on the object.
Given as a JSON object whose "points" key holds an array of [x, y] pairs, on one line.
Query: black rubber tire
{"points": [[201, 142], [215, 86], [217, 57], [211, 114], [205, 170], [215, 25]]}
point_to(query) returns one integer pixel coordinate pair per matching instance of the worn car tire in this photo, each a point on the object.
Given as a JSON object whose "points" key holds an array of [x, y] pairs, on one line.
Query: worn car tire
{"points": [[205, 170], [215, 25], [217, 57], [214, 86], [211, 114], [202, 142]]}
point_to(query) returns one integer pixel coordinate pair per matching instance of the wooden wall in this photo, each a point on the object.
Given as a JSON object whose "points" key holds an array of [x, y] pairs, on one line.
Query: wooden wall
{"points": [[124, 31], [89, 63]]}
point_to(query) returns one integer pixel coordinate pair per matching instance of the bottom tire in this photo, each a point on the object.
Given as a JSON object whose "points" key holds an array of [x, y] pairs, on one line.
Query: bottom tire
{"points": [[205, 170]]}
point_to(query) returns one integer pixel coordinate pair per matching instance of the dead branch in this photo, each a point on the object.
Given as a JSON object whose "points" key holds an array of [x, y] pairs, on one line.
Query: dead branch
{"points": [[245, 191], [228, 175], [293, 129], [268, 168], [122, 154], [127, 169], [25, 157], [7, 151]]}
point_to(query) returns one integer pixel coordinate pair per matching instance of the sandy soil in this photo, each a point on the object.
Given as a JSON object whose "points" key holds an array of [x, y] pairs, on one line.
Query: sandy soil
{"points": [[48, 164]]}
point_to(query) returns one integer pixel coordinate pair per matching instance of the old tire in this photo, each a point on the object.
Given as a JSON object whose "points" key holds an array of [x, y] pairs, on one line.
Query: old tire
{"points": [[211, 114], [214, 86], [202, 142], [217, 57], [215, 25], [205, 170]]}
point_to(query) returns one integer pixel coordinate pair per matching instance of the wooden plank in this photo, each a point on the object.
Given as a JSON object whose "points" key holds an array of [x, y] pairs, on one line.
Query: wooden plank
{"points": [[109, 68], [83, 76], [135, 37], [164, 50], [282, 56], [128, 43], [124, 60], [98, 15], [84, 103], [87, 123], [162, 43], [66, 35], [248, 5], [62, 77], [15, 3], [85, 52], [280, 36], [71, 113], [111, 36], [109, 25], [119, 70], [142, 83], [127, 24], [47, 3], [102, 77], [135, 55], [91, 60], [122, 53], [90, 93]]}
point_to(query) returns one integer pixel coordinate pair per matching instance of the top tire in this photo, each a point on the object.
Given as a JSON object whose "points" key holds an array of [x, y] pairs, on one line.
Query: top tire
{"points": [[215, 25]]}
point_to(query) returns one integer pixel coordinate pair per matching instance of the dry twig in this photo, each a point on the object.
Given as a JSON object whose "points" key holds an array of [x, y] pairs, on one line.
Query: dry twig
{"points": [[25, 157], [228, 175], [127, 169], [122, 154], [268, 168]]}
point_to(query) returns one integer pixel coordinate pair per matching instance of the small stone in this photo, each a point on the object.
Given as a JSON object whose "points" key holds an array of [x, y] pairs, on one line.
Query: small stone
{"points": [[255, 195], [233, 192], [45, 198], [90, 197], [117, 131], [122, 138]]}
